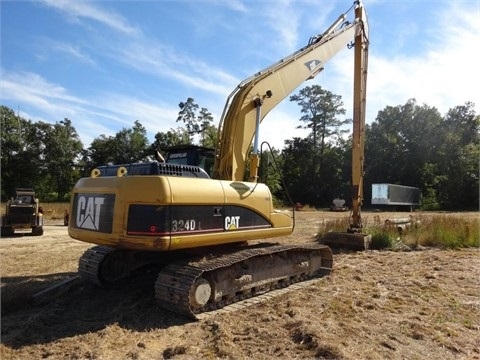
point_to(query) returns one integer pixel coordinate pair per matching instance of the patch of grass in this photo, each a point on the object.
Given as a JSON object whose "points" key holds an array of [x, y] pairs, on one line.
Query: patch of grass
{"points": [[54, 211], [445, 232], [382, 240], [448, 232], [335, 225]]}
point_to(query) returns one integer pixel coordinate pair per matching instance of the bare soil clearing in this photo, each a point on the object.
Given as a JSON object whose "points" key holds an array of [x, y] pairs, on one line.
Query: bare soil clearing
{"points": [[374, 305]]}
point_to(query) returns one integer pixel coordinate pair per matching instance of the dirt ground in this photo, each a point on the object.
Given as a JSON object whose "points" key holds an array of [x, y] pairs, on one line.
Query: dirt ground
{"points": [[375, 305]]}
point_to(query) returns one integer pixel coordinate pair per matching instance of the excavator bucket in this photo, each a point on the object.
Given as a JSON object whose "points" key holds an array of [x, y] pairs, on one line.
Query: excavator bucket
{"points": [[348, 241]]}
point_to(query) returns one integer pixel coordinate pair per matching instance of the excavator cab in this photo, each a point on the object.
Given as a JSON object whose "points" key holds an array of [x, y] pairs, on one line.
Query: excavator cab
{"points": [[203, 157]]}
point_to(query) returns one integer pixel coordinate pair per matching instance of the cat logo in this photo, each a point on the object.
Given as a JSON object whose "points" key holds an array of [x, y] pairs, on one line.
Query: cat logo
{"points": [[88, 212], [232, 222]]}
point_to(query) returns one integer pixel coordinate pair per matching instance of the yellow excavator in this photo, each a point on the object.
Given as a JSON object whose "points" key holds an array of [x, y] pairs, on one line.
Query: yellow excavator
{"points": [[195, 228]]}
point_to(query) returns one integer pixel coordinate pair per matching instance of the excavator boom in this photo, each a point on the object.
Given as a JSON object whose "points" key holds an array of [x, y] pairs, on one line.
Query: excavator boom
{"points": [[254, 97]]}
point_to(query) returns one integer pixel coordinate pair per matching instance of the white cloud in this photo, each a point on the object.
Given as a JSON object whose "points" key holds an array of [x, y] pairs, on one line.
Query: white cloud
{"points": [[281, 124], [102, 114], [443, 75], [446, 75], [236, 5], [45, 45], [153, 58], [83, 9], [32, 88], [127, 109], [74, 51], [283, 19]]}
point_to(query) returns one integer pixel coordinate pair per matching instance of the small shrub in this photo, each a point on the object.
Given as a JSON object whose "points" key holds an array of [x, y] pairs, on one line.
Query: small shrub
{"points": [[430, 201], [382, 240]]}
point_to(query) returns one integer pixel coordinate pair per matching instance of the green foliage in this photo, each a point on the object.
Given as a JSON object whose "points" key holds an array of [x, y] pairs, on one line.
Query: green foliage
{"points": [[448, 232], [459, 160], [313, 165], [400, 142], [38, 155], [407, 144], [430, 201], [21, 162], [197, 124], [187, 114], [320, 109], [170, 138], [194, 124], [49, 197], [62, 148], [127, 146], [413, 145], [208, 131], [298, 170], [382, 239], [311, 180], [269, 172]]}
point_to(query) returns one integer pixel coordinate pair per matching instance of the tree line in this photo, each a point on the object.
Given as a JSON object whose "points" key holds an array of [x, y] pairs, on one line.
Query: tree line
{"points": [[409, 144]]}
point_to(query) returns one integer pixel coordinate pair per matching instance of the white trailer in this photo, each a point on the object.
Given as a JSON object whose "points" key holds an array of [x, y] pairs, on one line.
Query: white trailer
{"points": [[392, 194]]}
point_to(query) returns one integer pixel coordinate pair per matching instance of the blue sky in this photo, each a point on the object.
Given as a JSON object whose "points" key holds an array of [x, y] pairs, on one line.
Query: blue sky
{"points": [[105, 64]]}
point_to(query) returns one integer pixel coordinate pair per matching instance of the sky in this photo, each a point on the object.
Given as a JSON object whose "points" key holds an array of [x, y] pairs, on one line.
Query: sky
{"points": [[105, 64]]}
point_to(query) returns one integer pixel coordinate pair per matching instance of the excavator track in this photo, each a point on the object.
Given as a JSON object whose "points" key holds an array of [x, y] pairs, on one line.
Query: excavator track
{"points": [[195, 287], [104, 266], [198, 287], [90, 262]]}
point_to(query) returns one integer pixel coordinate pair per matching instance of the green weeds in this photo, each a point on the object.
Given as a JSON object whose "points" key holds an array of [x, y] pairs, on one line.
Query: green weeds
{"points": [[439, 231], [447, 232]]}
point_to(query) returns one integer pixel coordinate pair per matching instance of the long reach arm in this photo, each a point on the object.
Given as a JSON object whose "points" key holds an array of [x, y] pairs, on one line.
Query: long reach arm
{"points": [[253, 98], [359, 106]]}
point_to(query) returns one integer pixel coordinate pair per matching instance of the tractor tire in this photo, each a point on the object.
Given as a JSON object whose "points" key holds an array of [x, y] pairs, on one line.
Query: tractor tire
{"points": [[37, 231], [6, 231]]}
